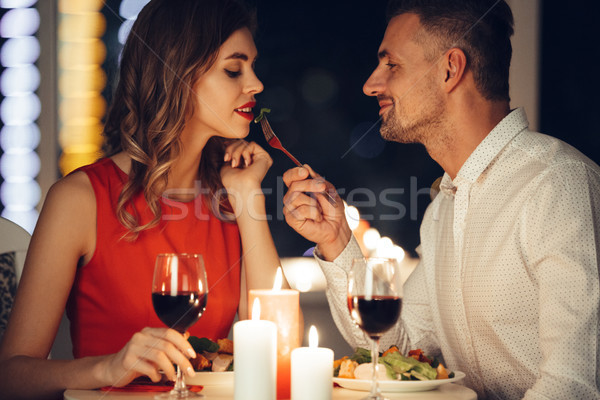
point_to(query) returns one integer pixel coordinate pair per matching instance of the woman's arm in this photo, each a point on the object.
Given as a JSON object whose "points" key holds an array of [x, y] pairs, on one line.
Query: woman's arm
{"points": [[61, 238], [65, 236], [243, 184]]}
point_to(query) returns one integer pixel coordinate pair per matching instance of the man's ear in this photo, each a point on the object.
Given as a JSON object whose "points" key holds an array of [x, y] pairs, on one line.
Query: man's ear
{"points": [[455, 65]]}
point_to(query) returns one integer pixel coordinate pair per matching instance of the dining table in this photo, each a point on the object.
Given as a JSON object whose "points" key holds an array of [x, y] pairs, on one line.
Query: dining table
{"points": [[449, 391]]}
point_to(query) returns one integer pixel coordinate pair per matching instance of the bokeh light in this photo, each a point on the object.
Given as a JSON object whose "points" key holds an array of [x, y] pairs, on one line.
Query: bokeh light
{"points": [[82, 107], [366, 140], [319, 88], [20, 108]]}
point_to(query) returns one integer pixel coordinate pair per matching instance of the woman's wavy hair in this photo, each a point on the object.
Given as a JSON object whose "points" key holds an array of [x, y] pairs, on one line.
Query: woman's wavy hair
{"points": [[171, 44]]}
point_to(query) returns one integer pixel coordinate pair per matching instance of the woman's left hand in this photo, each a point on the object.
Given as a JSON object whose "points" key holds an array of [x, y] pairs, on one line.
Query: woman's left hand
{"points": [[246, 164]]}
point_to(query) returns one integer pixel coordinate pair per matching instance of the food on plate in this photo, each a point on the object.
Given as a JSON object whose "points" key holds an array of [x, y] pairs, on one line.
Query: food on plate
{"points": [[417, 366], [222, 362], [346, 367], [225, 346], [212, 356]]}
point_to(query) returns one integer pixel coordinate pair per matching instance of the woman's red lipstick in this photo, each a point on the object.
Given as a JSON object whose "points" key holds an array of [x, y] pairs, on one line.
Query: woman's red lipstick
{"points": [[246, 110]]}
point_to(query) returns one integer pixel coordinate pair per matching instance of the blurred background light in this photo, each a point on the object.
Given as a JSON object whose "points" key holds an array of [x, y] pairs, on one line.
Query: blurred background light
{"points": [[20, 108], [20, 80], [319, 87], [20, 138], [18, 51], [82, 107], [17, 3], [366, 141], [20, 22], [352, 216], [128, 10], [20, 166]]}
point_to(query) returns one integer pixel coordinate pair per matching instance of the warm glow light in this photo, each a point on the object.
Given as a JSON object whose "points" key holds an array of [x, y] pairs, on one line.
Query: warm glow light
{"points": [[82, 107], [83, 25], [304, 282], [313, 337], [278, 279], [371, 238], [398, 253], [256, 310], [352, 216], [384, 247], [79, 6]]}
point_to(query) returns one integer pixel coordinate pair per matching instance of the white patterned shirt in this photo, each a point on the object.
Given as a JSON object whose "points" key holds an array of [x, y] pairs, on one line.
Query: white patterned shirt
{"points": [[507, 288]]}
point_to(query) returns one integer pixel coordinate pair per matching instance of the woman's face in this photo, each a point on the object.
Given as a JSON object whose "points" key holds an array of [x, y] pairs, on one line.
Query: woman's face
{"points": [[225, 93]]}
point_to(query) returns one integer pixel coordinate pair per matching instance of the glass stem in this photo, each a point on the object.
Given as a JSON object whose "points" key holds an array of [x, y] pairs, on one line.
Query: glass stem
{"points": [[375, 393], [180, 387]]}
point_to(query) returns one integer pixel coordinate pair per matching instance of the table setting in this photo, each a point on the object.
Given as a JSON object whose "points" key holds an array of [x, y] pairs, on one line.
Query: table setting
{"points": [[269, 362]]}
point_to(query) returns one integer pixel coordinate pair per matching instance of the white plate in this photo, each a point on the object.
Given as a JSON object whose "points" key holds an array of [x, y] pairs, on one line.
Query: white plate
{"points": [[397, 386], [208, 378]]}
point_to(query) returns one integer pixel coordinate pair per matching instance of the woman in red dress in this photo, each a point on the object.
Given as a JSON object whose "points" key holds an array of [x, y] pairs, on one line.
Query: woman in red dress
{"points": [[177, 178]]}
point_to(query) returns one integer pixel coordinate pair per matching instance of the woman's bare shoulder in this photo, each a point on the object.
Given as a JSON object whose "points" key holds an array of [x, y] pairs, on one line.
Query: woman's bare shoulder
{"points": [[69, 212], [73, 187]]}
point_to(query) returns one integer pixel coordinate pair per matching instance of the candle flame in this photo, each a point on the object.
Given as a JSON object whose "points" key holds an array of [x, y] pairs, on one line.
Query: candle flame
{"points": [[313, 337], [278, 279], [256, 310]]}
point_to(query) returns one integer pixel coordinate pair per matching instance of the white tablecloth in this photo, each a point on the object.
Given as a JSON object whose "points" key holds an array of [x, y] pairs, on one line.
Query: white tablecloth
{"points": [[448, 391]]}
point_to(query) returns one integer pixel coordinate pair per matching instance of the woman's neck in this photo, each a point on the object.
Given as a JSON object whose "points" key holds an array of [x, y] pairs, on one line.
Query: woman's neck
{"points": [[183, 174]]}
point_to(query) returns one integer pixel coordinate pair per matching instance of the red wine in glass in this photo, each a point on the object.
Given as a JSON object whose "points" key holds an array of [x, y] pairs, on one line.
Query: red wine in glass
{"points": [[376, 315], [374, 302], [180, 310], [179, 294]]}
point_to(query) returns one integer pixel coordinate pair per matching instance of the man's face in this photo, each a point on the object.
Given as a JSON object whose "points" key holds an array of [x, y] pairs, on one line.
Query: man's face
{"points": [[406, 85]]}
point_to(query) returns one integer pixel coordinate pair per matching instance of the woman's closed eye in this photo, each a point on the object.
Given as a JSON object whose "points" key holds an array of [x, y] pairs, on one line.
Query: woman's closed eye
{"points": [[233, 74]]}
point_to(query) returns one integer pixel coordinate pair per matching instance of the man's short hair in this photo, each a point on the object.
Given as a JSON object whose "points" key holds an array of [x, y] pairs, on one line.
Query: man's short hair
{"points": [[480, 28]]}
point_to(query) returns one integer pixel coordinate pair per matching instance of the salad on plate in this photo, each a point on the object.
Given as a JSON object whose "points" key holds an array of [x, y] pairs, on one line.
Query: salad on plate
{"points": [[396, 372], [414, 367]]}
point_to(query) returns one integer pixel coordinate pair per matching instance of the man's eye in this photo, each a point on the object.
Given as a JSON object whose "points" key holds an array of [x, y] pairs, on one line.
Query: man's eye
{"points": [[391, 65], [232, 74]]}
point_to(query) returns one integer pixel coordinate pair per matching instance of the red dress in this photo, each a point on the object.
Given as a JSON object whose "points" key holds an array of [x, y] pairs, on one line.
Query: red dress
{"points": [[111, 296]]}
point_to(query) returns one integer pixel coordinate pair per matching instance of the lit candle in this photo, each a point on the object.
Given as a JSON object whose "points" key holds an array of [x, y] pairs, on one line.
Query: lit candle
{"points": [[255, 349], [282, 306], [312, 370]]}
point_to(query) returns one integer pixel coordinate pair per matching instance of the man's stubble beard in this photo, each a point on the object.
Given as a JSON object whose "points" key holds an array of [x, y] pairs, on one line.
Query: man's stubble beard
{"points": [[428, 128]]}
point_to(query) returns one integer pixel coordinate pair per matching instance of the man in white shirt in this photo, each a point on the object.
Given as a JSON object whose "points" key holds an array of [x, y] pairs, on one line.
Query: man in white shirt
{"points": [[507, 289]]}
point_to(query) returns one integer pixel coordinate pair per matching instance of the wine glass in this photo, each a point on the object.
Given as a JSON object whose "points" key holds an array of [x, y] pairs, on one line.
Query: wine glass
{"points": [[374, 301], [179, 292]]}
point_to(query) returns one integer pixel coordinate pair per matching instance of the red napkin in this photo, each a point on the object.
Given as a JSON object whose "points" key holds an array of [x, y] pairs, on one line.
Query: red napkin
{"points": [[146, 385]]}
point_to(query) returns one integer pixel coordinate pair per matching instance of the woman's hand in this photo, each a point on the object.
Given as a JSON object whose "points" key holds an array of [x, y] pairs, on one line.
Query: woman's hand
{"points": [[149, 351], [246, 164]]}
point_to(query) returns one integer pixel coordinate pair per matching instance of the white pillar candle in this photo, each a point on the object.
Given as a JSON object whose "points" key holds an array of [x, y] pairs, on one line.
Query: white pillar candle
{"points": [[255, 363], [312, 370], [282, 306]]}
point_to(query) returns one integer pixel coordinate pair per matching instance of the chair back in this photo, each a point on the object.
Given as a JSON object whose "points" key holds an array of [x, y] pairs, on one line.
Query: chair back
{"points": [[15, 239]]}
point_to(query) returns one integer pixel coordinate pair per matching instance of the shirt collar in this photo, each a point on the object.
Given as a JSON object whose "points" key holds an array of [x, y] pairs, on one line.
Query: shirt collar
{"points": [[487, 150]]}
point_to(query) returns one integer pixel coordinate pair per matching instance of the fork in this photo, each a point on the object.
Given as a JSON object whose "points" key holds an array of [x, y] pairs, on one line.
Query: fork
{"points": [[274, 142]]}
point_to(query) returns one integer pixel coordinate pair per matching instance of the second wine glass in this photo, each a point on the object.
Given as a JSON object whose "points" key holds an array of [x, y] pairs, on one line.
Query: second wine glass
{"points": [[179, 295], [374, 301]]}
